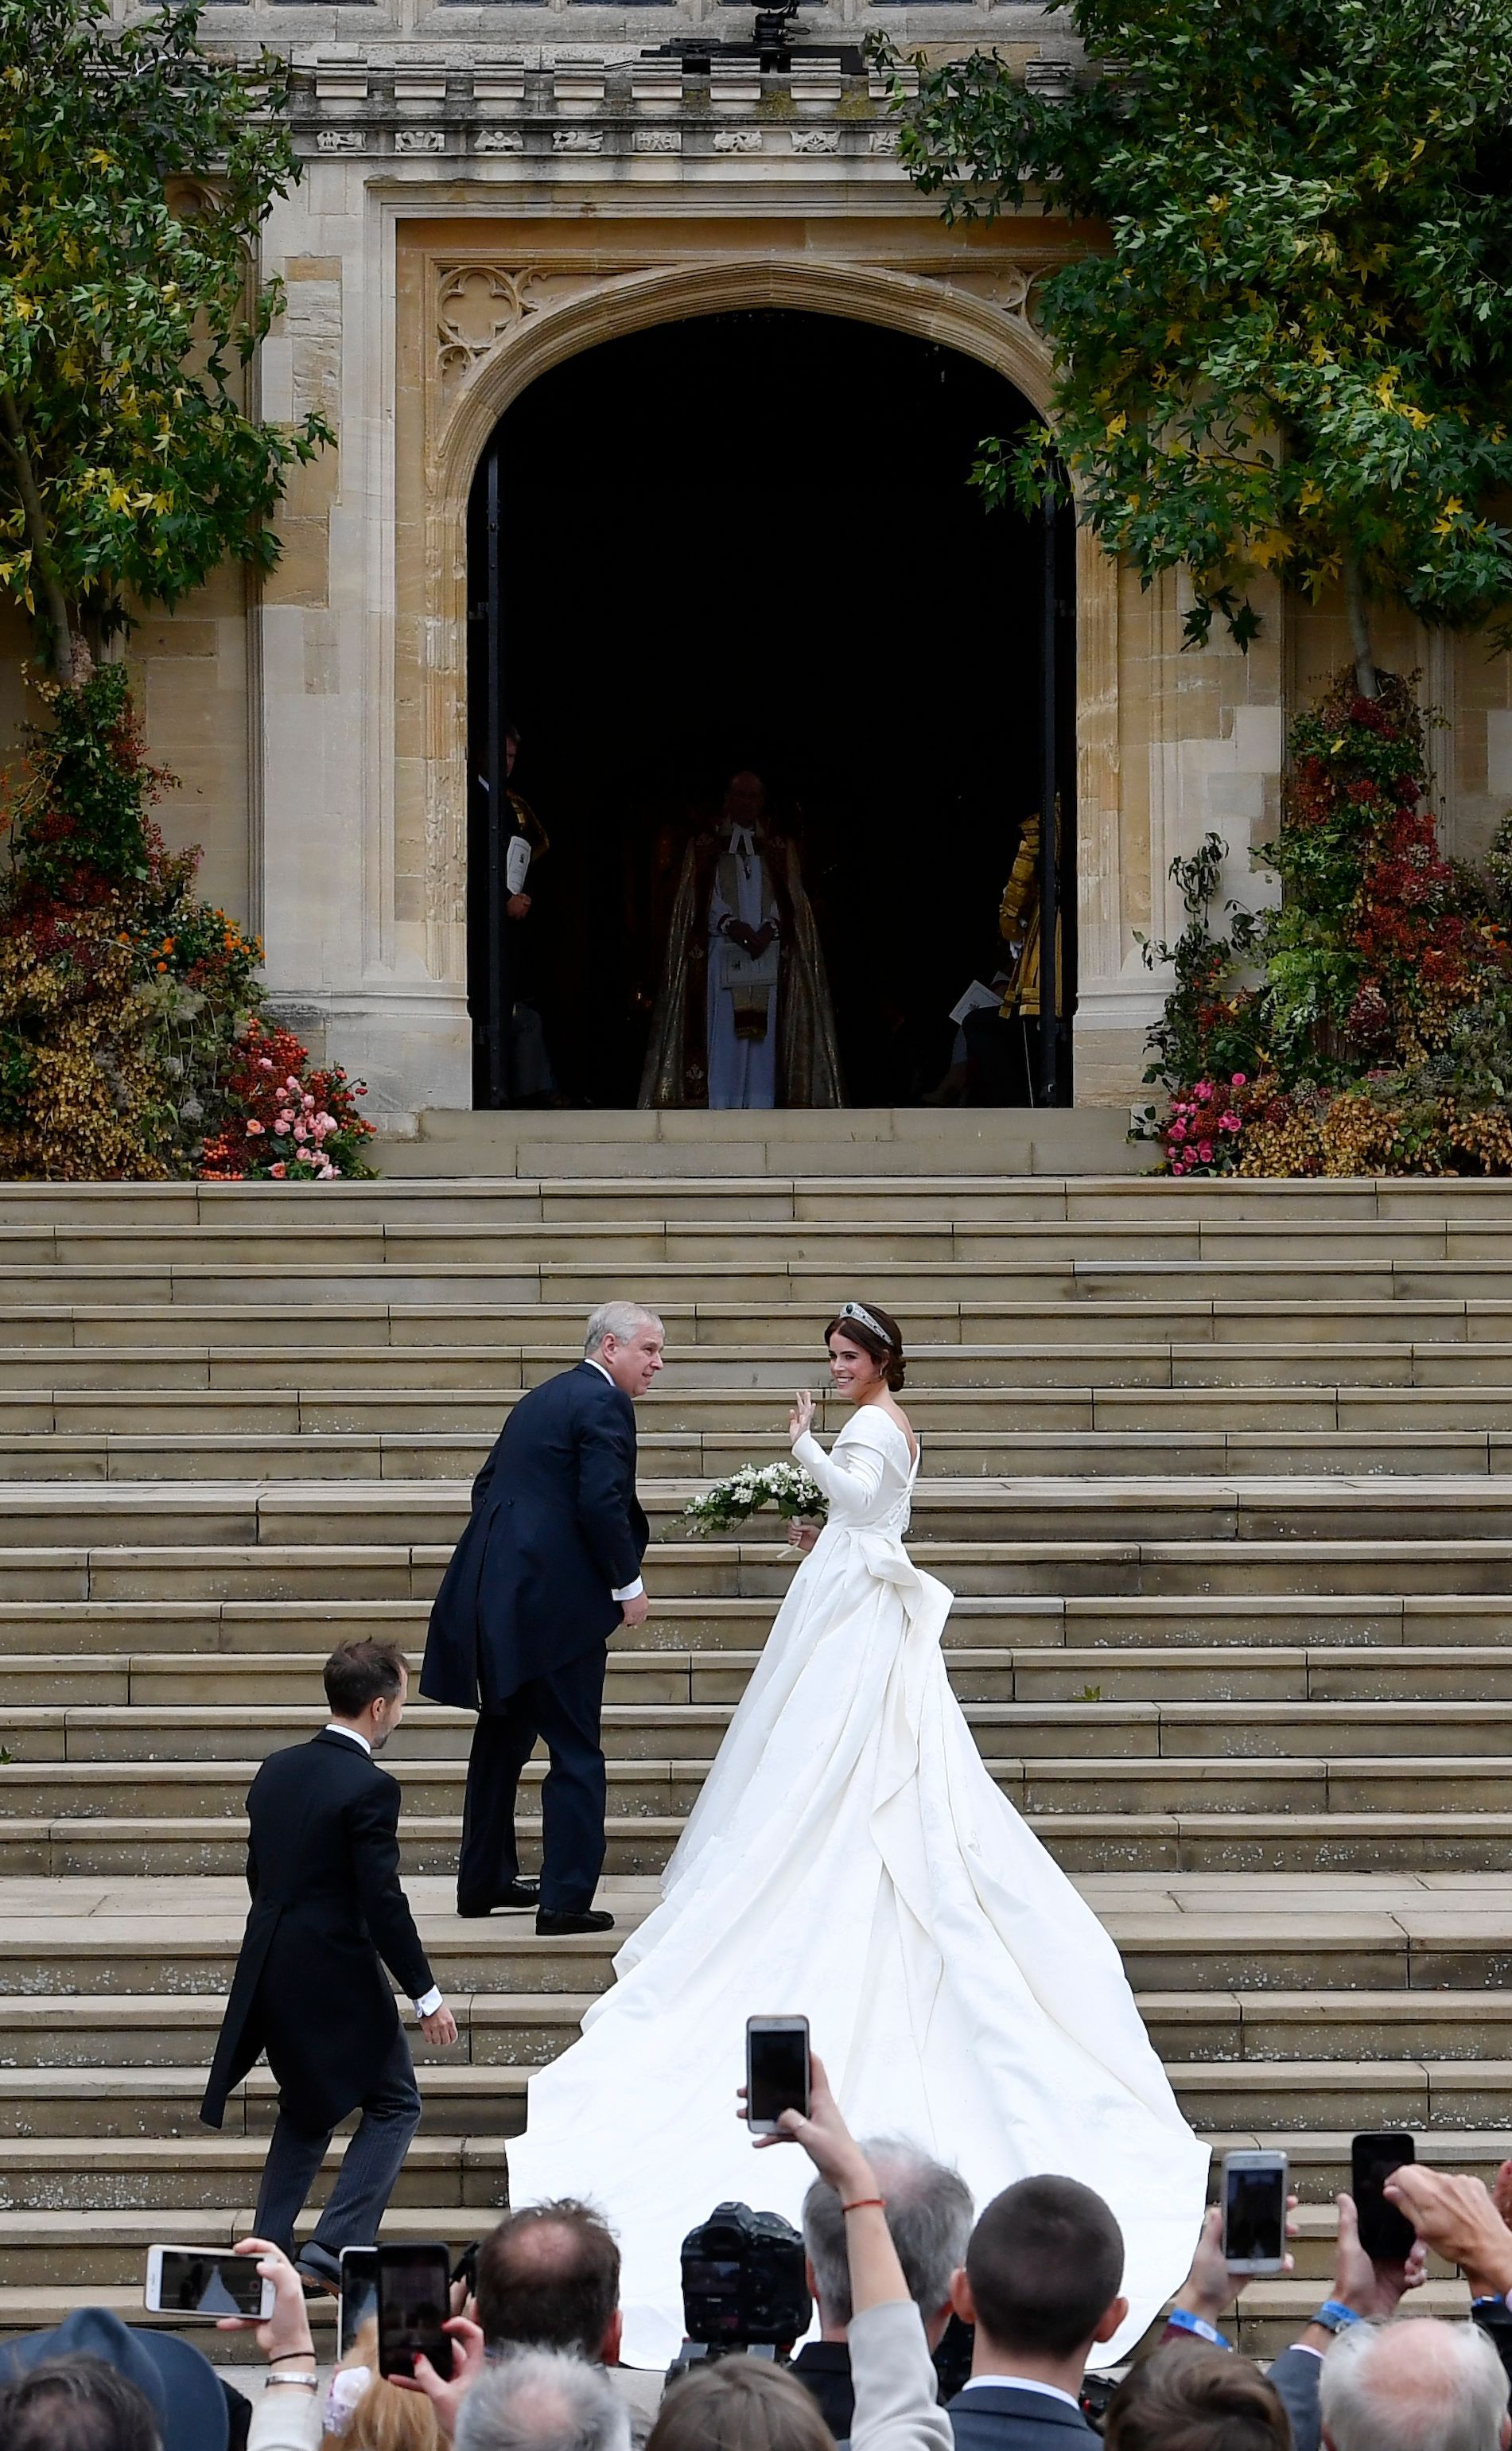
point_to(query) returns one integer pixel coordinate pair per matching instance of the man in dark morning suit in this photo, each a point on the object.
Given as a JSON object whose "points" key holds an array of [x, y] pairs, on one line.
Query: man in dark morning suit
{"points": [[327, 1915], [1040, 2283], [546, 1568]]}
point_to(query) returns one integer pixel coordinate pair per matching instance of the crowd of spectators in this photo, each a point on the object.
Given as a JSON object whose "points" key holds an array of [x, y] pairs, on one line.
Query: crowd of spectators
{"points": [[892, 2253]]}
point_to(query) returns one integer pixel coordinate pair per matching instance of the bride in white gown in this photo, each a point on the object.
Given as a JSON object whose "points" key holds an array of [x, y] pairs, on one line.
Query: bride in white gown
{"points": [[851, 1859]]}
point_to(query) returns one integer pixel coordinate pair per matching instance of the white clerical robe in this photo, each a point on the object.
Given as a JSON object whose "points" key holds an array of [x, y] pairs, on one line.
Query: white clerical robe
{"points": [[742, 1072]]}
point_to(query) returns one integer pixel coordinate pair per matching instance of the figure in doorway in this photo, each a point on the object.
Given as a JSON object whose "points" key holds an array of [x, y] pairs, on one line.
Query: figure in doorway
{"points": [[532, 1081], [743, 1017]]}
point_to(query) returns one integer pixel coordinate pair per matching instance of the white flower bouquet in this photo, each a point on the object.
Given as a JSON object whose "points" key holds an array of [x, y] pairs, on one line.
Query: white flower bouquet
{"points": [[732, 1501]]}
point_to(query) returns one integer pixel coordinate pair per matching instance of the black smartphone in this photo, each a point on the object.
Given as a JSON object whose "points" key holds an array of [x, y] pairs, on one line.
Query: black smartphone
{"points": [[359, 2294], [414, 2301], [777, 2070], [1385, 2233], [465, 2267]]}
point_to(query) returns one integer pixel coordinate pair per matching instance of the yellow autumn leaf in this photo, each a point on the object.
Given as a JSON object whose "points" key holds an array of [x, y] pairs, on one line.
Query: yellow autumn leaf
{"points": [[1116, 425], [1269, 549]]}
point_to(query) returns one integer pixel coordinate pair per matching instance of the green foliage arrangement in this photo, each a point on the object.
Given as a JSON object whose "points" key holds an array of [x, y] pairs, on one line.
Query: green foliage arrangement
{"points": [[1292, 352], [130, 1045], [135, 171], [1365, 1025]]}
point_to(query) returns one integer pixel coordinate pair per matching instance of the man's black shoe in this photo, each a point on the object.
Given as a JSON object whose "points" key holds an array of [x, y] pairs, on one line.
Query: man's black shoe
{"points": [[519, 1894], [319, 2270], [556, 1926]]}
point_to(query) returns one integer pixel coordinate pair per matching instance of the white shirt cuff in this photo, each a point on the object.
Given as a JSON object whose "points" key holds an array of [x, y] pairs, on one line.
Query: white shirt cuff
{"points": [[631, 1590], [432, 2000]]}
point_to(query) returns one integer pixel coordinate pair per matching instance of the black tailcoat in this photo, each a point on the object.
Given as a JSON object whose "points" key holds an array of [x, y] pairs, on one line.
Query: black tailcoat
{"points": [[556, 1529], [328, 1915]]}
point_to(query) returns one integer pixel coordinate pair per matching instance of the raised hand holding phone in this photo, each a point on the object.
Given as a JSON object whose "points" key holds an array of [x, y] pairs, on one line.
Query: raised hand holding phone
{"points": [[777, 2070]]}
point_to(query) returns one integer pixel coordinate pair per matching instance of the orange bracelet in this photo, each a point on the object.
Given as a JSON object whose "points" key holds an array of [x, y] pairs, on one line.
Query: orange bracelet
{"points": [[861, 2202]]}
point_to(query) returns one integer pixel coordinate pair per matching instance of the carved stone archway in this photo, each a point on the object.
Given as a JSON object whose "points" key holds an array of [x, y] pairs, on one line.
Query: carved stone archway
{"points": [[493, 321]]}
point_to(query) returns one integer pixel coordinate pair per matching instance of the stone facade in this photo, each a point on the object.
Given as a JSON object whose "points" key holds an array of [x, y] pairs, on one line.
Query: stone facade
{"points": [[488, 190]]}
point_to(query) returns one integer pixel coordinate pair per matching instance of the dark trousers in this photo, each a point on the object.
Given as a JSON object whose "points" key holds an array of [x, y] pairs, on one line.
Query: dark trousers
{"points": [[564, 1710], [370, 2165]]}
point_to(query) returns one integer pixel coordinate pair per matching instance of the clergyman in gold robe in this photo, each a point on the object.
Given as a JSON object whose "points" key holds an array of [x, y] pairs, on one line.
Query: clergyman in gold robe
{"points": [[743, 1017]]}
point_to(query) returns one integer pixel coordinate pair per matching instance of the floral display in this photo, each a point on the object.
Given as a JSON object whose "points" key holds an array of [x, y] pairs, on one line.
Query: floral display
{"points": [[126, 1005], [1365, 1026], [786, 1486], [288, 1124]]}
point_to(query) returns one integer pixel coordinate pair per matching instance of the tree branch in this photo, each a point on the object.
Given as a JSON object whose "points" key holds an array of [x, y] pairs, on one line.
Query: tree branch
{"points": [[39, 536], [1359, 611]]}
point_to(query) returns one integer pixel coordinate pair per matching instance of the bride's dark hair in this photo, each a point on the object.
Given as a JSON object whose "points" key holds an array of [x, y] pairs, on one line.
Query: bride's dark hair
{"points": [[886, 1348]]}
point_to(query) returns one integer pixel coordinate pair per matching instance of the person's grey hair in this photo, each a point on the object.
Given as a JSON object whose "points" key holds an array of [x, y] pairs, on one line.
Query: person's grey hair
{"points": [[929, 2213], [621, 1320], [541, 2400], [1414, 2385]]}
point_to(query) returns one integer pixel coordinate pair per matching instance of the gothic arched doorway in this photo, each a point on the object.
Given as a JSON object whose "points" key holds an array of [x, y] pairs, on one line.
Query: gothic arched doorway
{"points": [[747, 540]]}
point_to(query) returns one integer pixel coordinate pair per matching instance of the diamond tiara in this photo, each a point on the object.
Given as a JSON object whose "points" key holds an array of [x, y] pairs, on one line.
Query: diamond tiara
{"points": [[859, 1311]]}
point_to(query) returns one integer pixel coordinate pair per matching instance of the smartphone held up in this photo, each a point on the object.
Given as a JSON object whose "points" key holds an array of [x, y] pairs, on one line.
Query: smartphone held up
{"points": [[413, 2303], [777, 2070], [192, 2281], [1254, 2201], [1385, 2233]]}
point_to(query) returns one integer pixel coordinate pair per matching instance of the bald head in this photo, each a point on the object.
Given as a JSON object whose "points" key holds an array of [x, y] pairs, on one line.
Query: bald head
{"points": [[549, 2276], [1415, 2384]]}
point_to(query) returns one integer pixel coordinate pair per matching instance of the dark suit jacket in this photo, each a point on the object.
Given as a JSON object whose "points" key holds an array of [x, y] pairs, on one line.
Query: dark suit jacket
{"points": [[556, 1529], [328, 1915], [823, 2367], [995, 2417]]}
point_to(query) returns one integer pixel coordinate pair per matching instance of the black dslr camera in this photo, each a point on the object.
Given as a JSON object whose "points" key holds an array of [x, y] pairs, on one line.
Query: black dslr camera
{"points": [[743, 2285]]}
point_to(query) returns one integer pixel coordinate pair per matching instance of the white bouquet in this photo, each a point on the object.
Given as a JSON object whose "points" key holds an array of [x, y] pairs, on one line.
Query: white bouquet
{"points": [[786, 1486]]}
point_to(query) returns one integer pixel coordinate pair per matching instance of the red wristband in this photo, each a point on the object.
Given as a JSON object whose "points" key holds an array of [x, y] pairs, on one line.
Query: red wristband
{"points": [[861, 2202]]}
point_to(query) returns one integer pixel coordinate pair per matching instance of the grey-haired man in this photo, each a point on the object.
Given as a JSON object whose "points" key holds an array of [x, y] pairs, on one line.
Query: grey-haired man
{"points": [[546, 1569]]}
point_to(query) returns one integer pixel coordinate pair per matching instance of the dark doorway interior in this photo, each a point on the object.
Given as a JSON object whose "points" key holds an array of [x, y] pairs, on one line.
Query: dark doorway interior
{"points": [[748, 540]]}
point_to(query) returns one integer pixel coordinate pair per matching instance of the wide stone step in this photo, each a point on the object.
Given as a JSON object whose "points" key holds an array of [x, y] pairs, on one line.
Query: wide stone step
{"points": [[1219, 1632], [1041, 1575], [1231, 2030], [718, 1417], [217, 1451], [969, 1284], [1128, 1732], [651, 1233], [640, 1843], [736, 1335], [663, 1785], [809, 1189], [88, 2102], [1461, 1673], [1389, 1510], [714, 1384], [213, 2178], [1428, 1933]]}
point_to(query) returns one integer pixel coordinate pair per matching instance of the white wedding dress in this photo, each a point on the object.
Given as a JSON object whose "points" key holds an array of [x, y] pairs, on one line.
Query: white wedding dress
{"points": [[851, 1859]]}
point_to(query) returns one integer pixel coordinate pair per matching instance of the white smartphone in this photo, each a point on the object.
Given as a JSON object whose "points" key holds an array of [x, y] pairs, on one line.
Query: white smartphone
{"points": [[777, 2070], [197, 2281], [1255, 2211]]}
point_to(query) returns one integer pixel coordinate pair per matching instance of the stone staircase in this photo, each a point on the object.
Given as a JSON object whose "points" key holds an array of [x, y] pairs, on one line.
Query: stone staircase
{"points": [[1222, 1475]]}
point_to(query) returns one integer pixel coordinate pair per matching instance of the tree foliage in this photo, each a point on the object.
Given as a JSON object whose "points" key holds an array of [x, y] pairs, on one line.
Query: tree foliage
{"points": [[1294, 353], [134, 174]]}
